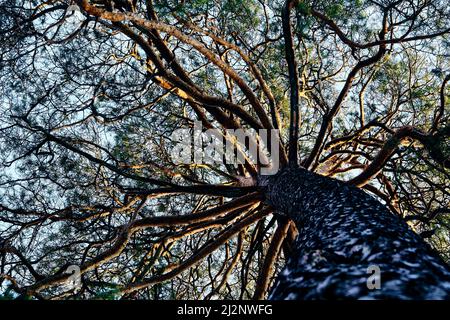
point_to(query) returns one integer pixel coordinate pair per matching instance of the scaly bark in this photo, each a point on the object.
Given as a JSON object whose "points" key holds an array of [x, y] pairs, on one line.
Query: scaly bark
{"points": [[343, 231]]}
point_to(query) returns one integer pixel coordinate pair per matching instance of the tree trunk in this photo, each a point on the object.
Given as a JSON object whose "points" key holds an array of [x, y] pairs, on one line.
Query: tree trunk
{"points": [[345, 237]]}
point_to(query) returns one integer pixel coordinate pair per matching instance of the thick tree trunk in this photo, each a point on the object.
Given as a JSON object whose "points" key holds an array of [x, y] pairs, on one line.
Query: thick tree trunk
{"points": [[344, 236]]}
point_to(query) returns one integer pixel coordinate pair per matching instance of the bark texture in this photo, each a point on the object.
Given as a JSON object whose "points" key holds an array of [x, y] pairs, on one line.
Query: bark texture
{"points": [[342, 232]]}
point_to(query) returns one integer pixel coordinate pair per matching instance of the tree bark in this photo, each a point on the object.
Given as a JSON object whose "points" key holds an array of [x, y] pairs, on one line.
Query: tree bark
{"points": [[342, 232]]}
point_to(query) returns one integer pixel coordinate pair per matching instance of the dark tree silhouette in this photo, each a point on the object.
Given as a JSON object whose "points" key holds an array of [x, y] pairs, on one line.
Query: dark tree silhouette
{"points": [[353, 96]]}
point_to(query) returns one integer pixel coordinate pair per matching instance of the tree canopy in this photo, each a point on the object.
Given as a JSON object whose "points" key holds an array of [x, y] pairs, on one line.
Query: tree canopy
{"points": [[92, 90]]}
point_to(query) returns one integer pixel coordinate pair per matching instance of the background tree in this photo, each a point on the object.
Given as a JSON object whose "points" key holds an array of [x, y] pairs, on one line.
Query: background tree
{"points": [[90, 97]]}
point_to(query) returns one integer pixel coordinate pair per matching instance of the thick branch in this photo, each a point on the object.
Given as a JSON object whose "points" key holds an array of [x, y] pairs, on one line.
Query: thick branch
{"points": [[431, 142]]}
